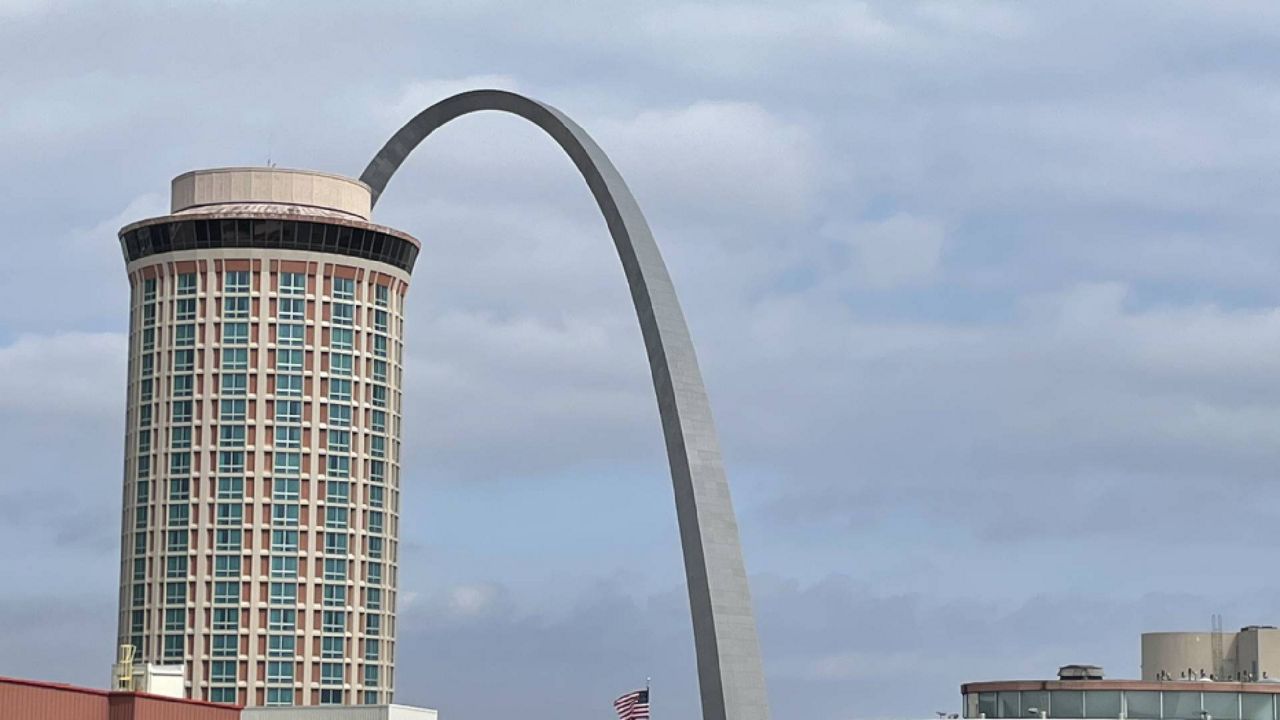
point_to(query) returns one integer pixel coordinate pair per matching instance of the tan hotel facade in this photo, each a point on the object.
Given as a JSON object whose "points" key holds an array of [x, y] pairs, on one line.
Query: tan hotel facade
{"points": [[262, 459]]}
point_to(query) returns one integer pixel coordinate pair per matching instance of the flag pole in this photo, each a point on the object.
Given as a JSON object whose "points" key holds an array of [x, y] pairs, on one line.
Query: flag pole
{"points": [[648, 695]]}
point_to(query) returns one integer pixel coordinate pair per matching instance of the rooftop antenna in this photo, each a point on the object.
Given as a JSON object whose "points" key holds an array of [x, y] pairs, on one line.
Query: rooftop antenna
{"points": [[1215, 643]]}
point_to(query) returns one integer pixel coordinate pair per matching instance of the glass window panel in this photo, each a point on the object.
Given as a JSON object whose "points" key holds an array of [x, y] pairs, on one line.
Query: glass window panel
{"points": [[1066, 704], [1182, 705], [1034, 702], [1142, 704], [1102, 703], [1008, 705], [1222, 705], [1257, 706]]}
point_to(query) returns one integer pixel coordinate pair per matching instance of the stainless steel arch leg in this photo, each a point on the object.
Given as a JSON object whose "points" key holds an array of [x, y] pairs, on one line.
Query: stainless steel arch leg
{"points": [[730, 675]]}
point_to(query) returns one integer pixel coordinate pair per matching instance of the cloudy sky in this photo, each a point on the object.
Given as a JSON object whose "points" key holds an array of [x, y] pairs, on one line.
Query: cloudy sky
{"points": [[985, 295]]}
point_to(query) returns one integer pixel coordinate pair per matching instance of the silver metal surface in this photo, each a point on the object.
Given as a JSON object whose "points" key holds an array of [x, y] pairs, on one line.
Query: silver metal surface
{"points": [[730, 675]]}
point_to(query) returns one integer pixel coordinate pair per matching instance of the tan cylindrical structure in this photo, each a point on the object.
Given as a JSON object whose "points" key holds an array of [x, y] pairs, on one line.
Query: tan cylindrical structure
{"points": [[261, 474]]}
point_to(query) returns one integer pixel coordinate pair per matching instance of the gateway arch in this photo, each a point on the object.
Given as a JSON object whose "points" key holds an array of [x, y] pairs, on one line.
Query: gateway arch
{"points": [[730, 674]]}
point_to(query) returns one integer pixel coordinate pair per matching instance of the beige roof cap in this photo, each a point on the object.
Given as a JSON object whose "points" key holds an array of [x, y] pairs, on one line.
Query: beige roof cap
{"points": [[277, 186]]}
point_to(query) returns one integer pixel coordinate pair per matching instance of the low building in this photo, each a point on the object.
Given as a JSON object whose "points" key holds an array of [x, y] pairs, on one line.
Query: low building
{"points": [[35, 700], [1251, 654]]}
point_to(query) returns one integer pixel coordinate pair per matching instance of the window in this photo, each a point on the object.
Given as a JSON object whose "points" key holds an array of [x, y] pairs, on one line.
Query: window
{"points": [[279, 672], [376, 496], [339, 415], [180, 463], [293, 283], [184, 310], [142, 493], [231, 436], [380, 346], [281, 645], [230, 514], [149, 339], [234, 383], [149, 289], [148, 364], [225, 645], [140, 543], [284, 488], [370, 674], [373, 599], [375, 521], [226, 566], [226, 539], [337, 491], [174, 647], [335, 569], [144, 467], [175, 593], [139, 594], [140, 569], [333, 621], [144, 442], [140, 518], [292, 309], [176, 540], [235, 308], [226, 619], [222, 671], [176, 567], [332, 648], [148, 315], [375, 548], [372, 649], [340, 390], [222, 695], [341, 339], [289, 385], [335, 544], [184, 360], [284, 541], [183, 385], [380, 370], [382, 295], [290, 335], [187, 284], [226, 593], [287, 463], [283, 594], [340, 364], [377, 445], [335, 595], [339, 466], [230, 488], [289, 360], [180, 437], [284, 514], [288, 411], [373, 571], [232, 411], [184, 335], [231, 462], [280, 619], [288, 437], [235, 359], [336, 518], [284, 567], [339, 441], [380, 320], [331, 697], [175, 620], [236, 281], [377, 471], [235, 333], [146, 390], [179, 516], [344, 314], [277, 696], [344, 288], [373, 624], [180, 411]]}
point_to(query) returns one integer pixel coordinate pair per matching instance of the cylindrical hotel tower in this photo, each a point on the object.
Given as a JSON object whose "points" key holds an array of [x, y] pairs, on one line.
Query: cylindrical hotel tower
{"points": [[262, 451]]}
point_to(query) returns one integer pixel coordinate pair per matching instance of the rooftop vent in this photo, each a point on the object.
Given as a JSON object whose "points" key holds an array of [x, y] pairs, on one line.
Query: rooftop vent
{"points": [[1080, 672], [1247, 628]]}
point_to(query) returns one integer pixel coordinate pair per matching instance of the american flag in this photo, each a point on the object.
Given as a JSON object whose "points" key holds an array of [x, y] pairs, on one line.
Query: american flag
{"points": [[633, 705]]}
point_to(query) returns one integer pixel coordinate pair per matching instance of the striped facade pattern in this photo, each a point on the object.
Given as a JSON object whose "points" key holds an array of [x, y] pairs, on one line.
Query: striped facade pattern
{"points": [[261, 478]]}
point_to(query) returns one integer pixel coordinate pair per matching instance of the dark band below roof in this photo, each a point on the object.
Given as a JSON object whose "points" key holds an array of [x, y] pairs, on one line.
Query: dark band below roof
{"points": [[173, 234]]}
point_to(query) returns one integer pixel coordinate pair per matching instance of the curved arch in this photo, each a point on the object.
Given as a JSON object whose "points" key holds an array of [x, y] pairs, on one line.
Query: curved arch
{"points": [[730, 675]]}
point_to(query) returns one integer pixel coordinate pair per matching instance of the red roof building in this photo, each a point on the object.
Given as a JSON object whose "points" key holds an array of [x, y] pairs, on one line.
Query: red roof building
{"points": [[34, 700]]}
